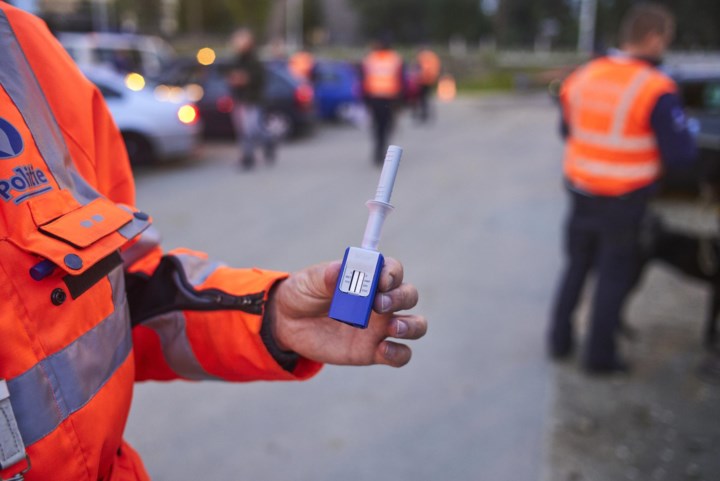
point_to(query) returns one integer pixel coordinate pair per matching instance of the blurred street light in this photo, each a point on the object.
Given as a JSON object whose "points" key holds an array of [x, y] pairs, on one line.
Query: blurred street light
{"points": [[134, 81], [206, 56]]}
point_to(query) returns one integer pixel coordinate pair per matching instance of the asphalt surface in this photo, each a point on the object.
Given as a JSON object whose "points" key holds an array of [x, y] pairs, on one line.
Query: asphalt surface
{"points": [[477, 223]]}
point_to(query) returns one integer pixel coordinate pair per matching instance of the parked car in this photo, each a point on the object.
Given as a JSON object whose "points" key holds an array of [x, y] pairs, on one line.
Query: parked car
{"points": [[153, 129], [337, 89], [122, 52], [700, 92], [289, 103]]}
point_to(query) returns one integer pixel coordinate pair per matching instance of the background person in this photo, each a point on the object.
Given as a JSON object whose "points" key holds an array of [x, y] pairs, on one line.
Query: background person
{"points": [[302, 65], [247, 83], [428, 72], [382, 86], [622, 120]]}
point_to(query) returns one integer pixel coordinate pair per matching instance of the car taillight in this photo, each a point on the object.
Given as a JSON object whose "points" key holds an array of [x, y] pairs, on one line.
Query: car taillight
{"points": [[304, 95], [225, 104], [188, 114]]}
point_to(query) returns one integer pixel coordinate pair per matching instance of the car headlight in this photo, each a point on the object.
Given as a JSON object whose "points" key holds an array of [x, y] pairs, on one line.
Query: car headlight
{"points": [[188, 114]]}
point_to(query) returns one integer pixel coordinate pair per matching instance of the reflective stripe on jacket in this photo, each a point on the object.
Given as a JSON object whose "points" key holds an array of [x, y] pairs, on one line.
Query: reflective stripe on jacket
{"points": [[68, 352], [611, 148], [382, 74]]}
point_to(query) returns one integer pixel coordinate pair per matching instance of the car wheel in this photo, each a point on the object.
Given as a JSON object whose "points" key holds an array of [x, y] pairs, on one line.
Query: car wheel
{"points": [[279, 124], [139, 149]]}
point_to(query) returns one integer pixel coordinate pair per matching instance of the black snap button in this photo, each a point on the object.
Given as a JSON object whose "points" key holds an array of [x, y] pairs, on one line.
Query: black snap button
{"points": [[141, 215], [58, 296], [73, 262]]}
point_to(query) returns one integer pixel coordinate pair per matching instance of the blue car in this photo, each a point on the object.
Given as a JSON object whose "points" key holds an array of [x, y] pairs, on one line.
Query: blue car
{"points": [[337, 89]]}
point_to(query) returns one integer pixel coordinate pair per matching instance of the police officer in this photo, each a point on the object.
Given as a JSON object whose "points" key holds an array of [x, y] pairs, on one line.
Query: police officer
{"points": [[90, 303], [428, 73], [247, 84], [622, 122], [383, 87], [302, 65]]}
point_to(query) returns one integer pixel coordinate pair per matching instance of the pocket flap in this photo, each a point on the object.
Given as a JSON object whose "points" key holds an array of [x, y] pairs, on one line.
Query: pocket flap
{"points": [[73, 236], [89, 223]]}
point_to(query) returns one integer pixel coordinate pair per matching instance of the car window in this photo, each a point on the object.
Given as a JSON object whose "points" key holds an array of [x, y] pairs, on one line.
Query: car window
{"points": [[107, 92], [712, 96], [692, 94], [276, 85], [73, 52], [329, 76], [123, 60]]}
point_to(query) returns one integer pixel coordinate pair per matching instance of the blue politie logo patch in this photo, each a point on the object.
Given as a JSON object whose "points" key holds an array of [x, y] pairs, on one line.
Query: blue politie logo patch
{"points": [[11, 143]]}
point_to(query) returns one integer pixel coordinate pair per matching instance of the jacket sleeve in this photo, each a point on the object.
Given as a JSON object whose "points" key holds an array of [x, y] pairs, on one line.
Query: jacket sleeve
{"points": [[198, 319], [201, 319], [669, 122]]}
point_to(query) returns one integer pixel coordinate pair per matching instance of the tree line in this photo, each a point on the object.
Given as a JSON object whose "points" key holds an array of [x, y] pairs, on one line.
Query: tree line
{"points": [[506, 23]]}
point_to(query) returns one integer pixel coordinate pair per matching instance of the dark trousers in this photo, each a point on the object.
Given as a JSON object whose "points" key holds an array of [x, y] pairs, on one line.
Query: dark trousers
{"points": [[382, 112], [422, 108], [602, 235]]}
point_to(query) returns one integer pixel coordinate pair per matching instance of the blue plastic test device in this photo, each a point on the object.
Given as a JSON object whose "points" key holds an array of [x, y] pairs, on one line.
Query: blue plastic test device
{"points": [[357, 284]]}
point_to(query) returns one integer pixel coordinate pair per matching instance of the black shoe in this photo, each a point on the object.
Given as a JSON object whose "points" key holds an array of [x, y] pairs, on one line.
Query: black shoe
{"points": [[560, 347], [709, 369], [606, 368], [270, 153], [247, 162], [560, 353], [628, 332]]}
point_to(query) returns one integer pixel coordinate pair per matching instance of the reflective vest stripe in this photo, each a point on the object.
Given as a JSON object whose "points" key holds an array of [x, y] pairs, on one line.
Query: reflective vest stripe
{"points": [[175, 345], [615, 138], [382, 74], [12, 448], [627, 101], [628, 144], [197, 269], [170, 327], [618, 171], [49, 392], [20, 83]]}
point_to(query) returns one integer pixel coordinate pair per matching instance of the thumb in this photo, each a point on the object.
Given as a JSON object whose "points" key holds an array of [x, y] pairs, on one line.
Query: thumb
{"points": [[330, 275]]}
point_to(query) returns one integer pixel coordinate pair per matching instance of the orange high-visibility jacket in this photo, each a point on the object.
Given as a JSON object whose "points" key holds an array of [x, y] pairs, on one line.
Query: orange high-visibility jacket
{"points": [[68, 352], [301, 65], [382, 74], [611, 149], [429, 64]]}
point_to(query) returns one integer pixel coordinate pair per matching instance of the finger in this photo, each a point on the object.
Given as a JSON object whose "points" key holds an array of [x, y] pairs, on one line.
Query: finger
{"points": [[330, 276], [392, 354], [391, 275], [400, 299], [407, 327]]}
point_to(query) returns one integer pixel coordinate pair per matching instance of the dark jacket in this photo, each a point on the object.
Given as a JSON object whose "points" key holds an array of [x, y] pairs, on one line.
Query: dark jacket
{"points": [[252, 92]]}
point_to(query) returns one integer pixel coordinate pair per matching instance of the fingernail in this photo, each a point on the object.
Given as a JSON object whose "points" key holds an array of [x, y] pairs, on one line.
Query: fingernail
{"points": [[384, 303], [401, 328], [390, 351]]}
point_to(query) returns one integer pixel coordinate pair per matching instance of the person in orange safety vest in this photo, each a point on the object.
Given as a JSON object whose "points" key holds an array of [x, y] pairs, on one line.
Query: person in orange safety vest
{"points": [[623, 122], [91, 304], [382, 80], [302, 65], [428, 73]]}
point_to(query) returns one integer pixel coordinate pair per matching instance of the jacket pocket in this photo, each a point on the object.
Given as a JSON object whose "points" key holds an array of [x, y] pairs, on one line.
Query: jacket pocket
{"points": [[83, 241], [75, 237]]}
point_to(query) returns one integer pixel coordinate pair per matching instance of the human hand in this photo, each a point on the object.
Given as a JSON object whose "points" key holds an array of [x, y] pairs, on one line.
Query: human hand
{"points": [[298, 310]]}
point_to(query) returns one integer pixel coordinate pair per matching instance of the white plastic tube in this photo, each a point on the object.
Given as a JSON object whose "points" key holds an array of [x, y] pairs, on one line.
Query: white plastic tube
{"points": [[380, 206]]}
